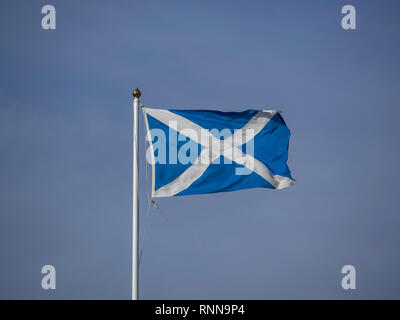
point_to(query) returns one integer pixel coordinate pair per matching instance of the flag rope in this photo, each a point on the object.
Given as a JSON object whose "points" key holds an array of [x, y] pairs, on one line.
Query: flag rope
{"points": [[150, 203]]}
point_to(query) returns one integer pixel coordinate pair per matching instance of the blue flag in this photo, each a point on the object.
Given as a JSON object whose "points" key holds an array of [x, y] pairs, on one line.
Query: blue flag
{"points": [[203, 151]]}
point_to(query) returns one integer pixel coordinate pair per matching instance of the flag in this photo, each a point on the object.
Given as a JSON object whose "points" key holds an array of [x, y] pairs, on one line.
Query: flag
{"points": [[205, 151]]}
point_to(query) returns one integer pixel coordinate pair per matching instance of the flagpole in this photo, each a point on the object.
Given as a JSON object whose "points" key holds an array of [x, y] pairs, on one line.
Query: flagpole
{"points": [[135, 196]]}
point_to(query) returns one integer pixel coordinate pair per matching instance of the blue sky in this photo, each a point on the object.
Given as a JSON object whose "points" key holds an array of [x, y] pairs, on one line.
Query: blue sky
{"points": [[66, 133]]}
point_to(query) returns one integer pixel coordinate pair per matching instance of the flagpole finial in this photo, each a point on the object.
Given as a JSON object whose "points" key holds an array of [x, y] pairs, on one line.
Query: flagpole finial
{"points": [[136, 93]]}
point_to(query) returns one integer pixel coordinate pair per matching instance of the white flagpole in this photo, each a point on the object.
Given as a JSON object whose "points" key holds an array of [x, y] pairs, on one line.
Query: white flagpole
{"points": [[135, 196]]}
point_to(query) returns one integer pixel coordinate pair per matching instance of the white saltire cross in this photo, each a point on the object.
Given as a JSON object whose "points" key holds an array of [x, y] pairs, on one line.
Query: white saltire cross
{"points": [[230, 150]]}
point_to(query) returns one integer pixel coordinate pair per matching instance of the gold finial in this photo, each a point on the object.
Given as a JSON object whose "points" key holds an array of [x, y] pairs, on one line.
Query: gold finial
{"points": [[136, 93]]}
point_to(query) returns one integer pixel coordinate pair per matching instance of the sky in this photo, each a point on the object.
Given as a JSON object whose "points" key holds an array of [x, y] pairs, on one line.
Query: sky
{"points": [[66, 148]]}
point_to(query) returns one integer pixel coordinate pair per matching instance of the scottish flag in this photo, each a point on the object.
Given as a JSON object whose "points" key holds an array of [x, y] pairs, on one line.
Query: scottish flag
{"points": [[204, 151]]}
